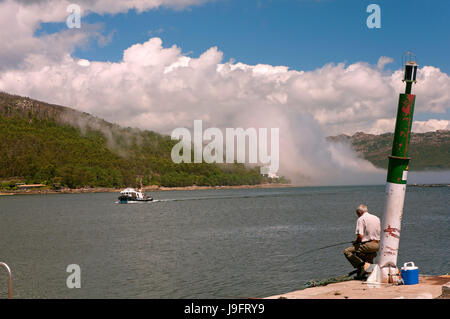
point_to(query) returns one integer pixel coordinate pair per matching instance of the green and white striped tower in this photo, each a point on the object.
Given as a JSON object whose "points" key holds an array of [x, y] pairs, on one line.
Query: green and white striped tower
{"points": [[396, 178]]}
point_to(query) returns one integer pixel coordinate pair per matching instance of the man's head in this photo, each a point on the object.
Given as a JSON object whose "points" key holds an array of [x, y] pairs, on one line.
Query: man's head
{"points": [[361, 209]]}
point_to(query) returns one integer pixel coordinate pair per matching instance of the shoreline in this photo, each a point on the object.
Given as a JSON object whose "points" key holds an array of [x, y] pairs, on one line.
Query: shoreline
{"points": [[155, 188], [152, 188]]}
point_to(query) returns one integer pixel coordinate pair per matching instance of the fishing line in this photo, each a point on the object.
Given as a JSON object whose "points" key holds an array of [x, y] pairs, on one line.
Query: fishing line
{"points": [[312, 283]]}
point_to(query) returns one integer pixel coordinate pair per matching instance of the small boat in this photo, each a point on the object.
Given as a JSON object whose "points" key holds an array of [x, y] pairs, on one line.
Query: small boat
{"points": [[131, 196]]}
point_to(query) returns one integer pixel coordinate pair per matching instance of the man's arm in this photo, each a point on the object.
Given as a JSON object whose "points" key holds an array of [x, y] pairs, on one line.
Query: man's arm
{"points": [[358, 238], [359, 230]]}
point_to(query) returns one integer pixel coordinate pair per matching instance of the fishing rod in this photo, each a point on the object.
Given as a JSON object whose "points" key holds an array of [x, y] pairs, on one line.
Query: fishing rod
{"points": [[320, 248]]}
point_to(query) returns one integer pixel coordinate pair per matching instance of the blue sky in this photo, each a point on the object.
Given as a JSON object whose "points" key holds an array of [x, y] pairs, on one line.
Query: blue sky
{"points": [[301, 34]]}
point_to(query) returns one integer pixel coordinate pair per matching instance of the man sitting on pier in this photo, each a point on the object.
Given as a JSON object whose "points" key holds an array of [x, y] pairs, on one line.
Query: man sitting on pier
{"points": [[367, 242]]}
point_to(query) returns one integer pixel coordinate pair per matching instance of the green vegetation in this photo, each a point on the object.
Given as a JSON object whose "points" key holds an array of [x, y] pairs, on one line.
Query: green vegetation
{"points": [[39, 145]]}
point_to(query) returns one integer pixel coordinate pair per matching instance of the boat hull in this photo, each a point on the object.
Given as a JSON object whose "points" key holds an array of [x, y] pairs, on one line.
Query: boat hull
{"points": [[130, 200], [134, 201]]}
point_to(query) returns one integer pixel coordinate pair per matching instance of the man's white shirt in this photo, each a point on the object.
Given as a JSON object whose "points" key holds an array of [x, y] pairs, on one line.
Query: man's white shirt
{"points": [[368, 226]]}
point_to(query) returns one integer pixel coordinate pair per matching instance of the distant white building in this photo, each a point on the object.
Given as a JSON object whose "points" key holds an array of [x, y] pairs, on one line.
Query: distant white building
{"points": [[273, 175], [266, 171]]}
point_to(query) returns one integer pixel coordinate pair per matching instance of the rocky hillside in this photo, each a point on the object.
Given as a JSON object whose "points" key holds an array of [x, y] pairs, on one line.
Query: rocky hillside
{"points": [[428, 151]]}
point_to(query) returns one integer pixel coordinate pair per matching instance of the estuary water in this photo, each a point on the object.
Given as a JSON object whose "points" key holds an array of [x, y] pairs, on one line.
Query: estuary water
{"points": [[203, 244]]}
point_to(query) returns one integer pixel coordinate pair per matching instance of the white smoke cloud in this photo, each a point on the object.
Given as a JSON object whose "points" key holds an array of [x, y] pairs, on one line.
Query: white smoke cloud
{"points": [[160, 88]]}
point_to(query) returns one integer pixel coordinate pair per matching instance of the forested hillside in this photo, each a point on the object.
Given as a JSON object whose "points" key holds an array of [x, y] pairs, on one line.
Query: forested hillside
{"points": [[54, 145]]}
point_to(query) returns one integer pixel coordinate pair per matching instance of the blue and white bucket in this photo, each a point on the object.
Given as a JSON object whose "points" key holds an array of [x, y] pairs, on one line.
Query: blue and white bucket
{"points": [[410, 274]]}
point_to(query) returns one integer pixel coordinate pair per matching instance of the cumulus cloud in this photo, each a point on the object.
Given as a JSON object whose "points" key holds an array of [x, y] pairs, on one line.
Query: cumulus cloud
{"points": [[388, 125], [53, 12], [160, 88], [430, 126], [19, 20], [382, 61]]}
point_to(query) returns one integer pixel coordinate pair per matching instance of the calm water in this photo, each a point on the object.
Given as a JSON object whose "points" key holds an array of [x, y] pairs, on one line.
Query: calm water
{"points": [[203, 244]]}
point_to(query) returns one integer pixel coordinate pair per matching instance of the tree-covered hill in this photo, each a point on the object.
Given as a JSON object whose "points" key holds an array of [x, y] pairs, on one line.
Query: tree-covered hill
{"points": [[55, 145]]}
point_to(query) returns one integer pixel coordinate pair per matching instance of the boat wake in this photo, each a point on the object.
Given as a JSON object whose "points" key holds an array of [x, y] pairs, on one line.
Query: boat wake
{"points": [[211, 198], [218, 197]]}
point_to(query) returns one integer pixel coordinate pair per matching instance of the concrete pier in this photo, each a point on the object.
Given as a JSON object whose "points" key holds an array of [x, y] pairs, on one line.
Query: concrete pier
{"points": [[429, 287]]}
